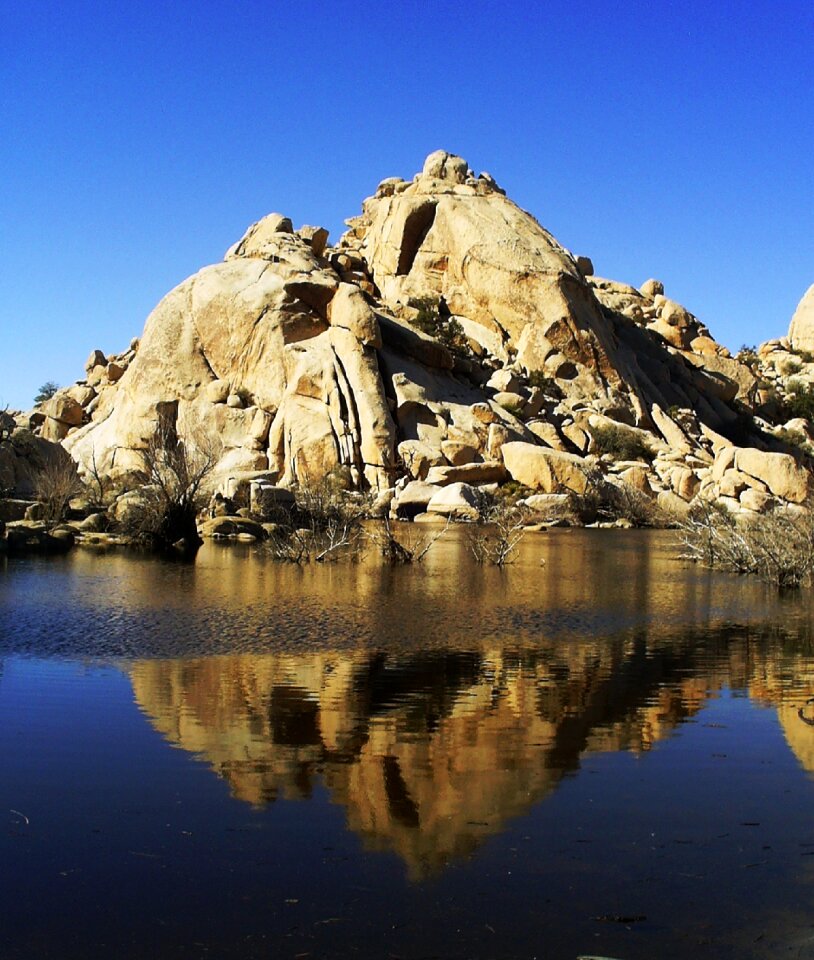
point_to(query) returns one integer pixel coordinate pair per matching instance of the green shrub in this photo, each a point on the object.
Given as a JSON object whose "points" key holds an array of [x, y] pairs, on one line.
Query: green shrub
{"points": [[799, 401], [513, 403], [619, 443], [537, 378], [431, 322], [790, 367], [793, 439], [748, 355]]}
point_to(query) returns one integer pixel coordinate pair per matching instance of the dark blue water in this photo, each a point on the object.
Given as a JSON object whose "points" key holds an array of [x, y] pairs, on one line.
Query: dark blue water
{"points": [[598, 751]]}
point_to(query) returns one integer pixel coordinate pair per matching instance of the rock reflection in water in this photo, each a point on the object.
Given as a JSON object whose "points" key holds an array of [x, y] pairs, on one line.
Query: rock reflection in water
{"points": [[431, 753]]}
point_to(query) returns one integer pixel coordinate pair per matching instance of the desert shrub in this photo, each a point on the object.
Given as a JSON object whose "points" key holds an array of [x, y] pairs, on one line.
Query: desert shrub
{"points": [[508, 494], [748, 354], [410, 547], [433, 323], [56, 483], [7, 424], [324, 523], [619, 443], [538, 378], [549, 386], [497, 542], [513, 404], [46, 391], [776, 547], [791, 438], [25, 446], [173, 476], [789, 367], [604, 501], [97, 482], [799, 401], [805, 355]]}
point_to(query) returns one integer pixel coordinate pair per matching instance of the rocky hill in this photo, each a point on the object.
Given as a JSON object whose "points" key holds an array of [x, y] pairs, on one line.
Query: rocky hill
{"points": [[447, 338]]}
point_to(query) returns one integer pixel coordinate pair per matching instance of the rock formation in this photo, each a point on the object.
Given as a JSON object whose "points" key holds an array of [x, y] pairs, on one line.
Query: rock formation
{"points": [[448, 339], [801, 330]]}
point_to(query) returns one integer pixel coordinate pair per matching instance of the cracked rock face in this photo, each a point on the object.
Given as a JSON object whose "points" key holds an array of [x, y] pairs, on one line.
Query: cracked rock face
{"points": [[455, 236], [297, 350]]}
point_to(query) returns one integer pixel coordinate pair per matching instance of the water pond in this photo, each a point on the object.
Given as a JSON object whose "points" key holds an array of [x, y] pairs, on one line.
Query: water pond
{"points": [[598, 751]]}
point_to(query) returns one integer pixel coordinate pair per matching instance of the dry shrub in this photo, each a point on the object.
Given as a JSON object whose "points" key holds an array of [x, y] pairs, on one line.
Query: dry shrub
{"points": [[323, 524], [607, 501], [173, 476], [56, 484], [97, 482], [409, 548], [620, 443], [776, 547], [497, 543]]}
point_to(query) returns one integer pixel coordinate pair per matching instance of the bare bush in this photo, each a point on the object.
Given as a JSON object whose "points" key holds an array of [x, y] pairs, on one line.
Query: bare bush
{"points": [[173, 477], [56, 483], [410, 548], [497, 542], [776, 547], [323, 524], [607, 501], [96, 480]]}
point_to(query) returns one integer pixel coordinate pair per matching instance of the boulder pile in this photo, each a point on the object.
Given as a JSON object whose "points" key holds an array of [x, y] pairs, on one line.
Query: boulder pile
{"points": [[446, 343]]}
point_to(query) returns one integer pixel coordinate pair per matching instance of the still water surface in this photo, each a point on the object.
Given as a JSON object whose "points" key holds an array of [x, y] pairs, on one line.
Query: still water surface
{"points": [[595, 751]]}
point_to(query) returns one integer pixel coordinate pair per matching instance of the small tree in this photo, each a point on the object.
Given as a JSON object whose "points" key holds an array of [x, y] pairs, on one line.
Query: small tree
{"points": [[98, 482], [46, 391], [174, 473]]}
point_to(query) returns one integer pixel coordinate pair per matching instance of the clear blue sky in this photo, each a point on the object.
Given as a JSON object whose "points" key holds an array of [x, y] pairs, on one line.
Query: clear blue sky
{"points": [[139, 140]]}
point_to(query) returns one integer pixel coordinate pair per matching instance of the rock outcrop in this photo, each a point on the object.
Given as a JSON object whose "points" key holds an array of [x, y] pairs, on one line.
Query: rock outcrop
{"points": [[447, 330], [801, 329]]}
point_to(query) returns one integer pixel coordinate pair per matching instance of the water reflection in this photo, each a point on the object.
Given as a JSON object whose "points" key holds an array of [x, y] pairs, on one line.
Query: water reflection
{"points": [[431, 753], [477, 725]]}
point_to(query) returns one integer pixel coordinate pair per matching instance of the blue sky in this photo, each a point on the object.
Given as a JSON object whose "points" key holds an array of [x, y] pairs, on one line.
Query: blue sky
{"points": [[139, 140]]}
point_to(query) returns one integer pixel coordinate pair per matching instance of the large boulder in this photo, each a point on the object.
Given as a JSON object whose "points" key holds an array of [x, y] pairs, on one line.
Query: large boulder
{"points": [[458, 500], [489, 471], [801, 329], [780, 472], [413, 499], [544, 469]]}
